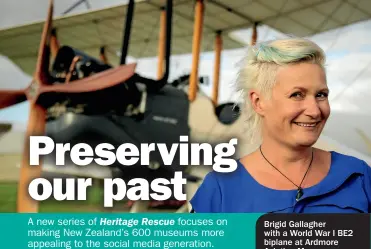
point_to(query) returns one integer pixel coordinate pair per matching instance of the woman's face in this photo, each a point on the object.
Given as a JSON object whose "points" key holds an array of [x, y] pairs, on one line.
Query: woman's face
{"points": [[299, 108]]}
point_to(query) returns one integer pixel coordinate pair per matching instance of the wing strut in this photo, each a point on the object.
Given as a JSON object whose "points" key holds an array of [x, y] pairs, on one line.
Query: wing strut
{"points": [[218, 50], [197, 37], [127, 32], [161, 44]]}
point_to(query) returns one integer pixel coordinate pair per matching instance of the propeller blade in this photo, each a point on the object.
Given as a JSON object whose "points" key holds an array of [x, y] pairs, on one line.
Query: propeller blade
{"points": [[37, 116], [11, 97], [35, 127], [96, 82], [54, 43], [42, 66], [102, 55]]}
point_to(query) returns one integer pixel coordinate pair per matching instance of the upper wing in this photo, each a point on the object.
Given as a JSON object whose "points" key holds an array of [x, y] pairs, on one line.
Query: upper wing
{"points": [[89, 31]]}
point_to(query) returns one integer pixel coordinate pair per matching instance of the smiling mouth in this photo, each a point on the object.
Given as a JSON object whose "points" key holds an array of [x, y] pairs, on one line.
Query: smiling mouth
{"points": [[311, 124]]}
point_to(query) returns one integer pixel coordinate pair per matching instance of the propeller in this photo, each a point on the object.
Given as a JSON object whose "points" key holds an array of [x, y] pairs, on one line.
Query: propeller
{"points": [[42, 85], [54, 43]]}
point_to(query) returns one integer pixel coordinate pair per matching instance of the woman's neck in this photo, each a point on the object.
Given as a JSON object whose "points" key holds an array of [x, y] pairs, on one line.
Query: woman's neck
{"points": [[283, 156]]}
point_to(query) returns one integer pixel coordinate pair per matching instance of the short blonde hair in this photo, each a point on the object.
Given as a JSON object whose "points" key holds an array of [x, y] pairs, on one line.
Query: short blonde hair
{"points": [[259, 68]]}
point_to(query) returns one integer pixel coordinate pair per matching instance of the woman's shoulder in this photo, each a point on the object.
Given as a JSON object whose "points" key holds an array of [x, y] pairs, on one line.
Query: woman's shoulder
{"points": [[348, 171], [344, 167], [215, 187], [343, 163], [347, 186]]}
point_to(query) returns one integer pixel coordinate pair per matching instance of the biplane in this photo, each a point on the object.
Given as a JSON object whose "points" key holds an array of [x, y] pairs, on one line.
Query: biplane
{"points": [[90, 94]]}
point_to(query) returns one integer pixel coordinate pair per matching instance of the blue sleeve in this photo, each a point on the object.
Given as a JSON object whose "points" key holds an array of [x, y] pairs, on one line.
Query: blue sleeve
{"points": [[367, 184], [207, 198]]}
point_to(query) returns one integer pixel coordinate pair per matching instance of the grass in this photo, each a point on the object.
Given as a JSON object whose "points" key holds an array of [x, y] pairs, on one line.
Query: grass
{"points": [[94, 202]]}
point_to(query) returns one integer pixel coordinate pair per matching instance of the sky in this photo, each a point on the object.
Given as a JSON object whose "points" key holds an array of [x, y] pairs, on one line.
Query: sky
{"points": [[348, 68]]}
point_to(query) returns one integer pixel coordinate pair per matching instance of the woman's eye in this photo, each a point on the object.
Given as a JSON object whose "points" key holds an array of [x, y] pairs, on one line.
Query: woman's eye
{"points": [[296, 95], [322, 95]]}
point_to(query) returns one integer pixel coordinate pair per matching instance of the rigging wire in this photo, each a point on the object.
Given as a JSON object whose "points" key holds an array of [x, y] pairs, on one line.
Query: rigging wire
{"points": [[75, 5], [339, 31], [95, 21], [359, 74], [361, 71]]}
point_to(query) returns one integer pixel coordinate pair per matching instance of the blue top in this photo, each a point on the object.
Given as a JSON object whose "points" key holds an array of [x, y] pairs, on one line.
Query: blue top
{"points": [[345, 189]]}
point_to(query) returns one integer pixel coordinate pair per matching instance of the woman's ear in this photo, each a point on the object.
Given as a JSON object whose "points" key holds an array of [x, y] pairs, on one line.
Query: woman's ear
{"points": [[257, 102]]}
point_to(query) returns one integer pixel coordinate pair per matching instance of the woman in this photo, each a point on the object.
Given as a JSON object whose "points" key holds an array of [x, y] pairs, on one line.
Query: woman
{"points": [[286, 94]]}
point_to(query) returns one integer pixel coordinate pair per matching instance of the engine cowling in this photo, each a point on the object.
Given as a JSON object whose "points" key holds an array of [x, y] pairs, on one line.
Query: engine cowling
{"points": [[227, 113]]}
